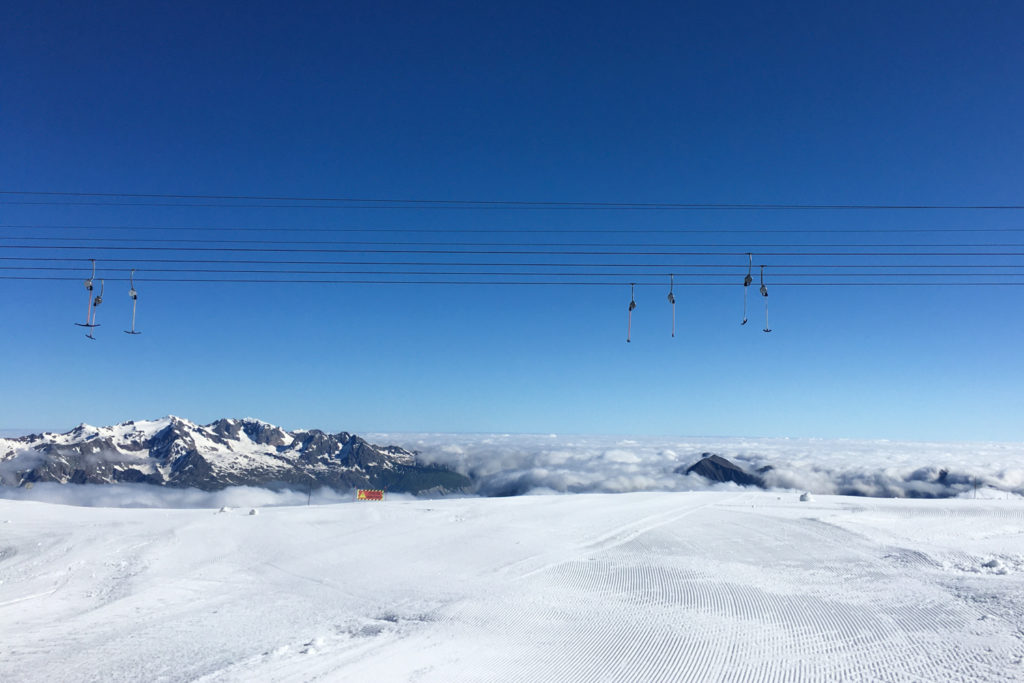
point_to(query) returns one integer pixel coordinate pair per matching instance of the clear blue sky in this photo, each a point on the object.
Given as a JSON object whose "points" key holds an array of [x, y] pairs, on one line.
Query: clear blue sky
{"points": [[810, 103]]}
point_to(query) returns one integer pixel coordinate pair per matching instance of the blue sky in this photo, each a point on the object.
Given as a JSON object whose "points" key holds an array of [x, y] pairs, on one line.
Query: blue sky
{"points": [[806, 103]]}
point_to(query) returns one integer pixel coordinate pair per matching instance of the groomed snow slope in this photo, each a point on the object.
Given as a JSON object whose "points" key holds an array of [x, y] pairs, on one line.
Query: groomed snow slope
{"points": [[643, 586]]}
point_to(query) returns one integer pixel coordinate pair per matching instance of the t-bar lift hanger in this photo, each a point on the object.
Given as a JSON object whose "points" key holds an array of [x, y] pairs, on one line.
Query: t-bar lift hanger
{"points": [[135, 300], [746, 283], [90, 315], [632, 305], [95, 305], [672, 300], [764, 293]]}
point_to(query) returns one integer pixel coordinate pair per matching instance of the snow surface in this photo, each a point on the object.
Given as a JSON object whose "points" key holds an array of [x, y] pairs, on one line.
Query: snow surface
{"points": [[702, 586]]}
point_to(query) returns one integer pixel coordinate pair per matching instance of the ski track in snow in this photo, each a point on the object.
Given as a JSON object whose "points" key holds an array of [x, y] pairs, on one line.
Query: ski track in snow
{"points": [[694, 587]]}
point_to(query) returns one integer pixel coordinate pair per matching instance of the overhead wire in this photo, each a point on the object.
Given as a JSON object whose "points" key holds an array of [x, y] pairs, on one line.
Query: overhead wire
{"points": [[525, 252], [482, 207], [247, 205], [621, 245], [498, 230], [617, 283], [526, 256], [733, 266], [502, 273], [975, 264], [419, 203]]}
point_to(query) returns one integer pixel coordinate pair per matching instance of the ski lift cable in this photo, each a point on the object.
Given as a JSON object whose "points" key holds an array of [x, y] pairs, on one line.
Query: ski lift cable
{"points": [[390, 207], [508, 273], [622, 245], [378, 205], [496, 230], [531, 283], [509, 203], [517, 252], [517, 263]]}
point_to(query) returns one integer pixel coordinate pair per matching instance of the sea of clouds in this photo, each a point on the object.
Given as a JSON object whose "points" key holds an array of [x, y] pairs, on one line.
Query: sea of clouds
{"points": [[150, 496], [507, 464], [513, 464]]}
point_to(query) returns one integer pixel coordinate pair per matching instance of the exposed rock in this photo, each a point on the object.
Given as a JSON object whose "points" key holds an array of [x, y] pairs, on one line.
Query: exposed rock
{"points": [[717, 468], [176, 452]]}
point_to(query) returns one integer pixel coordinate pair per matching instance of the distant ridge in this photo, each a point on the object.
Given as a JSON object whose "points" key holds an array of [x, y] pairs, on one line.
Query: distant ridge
{"points": [[175, 452]]}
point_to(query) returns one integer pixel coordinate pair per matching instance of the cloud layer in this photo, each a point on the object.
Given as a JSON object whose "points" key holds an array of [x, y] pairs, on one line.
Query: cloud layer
{"points": [[149, 496], [515, 464], [503, 465]]}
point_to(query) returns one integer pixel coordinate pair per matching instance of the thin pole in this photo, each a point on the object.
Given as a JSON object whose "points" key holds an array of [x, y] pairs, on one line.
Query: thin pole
{"points": [[746, 284], [632, 305], [88, 287], [672, 300], [764, 294]]}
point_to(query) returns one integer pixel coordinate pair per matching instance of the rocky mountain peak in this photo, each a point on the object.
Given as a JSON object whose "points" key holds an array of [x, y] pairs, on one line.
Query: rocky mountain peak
{"points": [[173, 451], [717, 468]]}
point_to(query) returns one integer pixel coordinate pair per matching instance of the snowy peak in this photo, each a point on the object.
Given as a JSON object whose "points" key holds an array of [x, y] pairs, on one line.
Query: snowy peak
{"points": [[173, 451], [257, 431]]}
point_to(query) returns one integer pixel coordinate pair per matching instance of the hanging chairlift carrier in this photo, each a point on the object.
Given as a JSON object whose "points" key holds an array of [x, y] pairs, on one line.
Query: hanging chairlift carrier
{"points": [[135, 300]]}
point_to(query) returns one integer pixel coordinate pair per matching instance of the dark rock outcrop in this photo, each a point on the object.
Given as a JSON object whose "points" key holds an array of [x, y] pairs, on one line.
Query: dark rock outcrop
{"points": [[717, 468]]}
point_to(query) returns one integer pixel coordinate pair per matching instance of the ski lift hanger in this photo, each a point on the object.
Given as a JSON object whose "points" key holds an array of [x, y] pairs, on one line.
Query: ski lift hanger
{"points": [[90, 315], [764, 294], [746, 284], [95, 306], [672, 300], [135, 300], [632, 305]]}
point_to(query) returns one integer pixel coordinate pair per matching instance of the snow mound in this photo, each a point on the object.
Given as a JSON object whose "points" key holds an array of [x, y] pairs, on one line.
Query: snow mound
{"points": [[555, 588]]}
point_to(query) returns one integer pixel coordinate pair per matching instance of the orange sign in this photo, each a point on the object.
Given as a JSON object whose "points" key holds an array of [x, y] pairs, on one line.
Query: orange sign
{"points": [[369, 494]]}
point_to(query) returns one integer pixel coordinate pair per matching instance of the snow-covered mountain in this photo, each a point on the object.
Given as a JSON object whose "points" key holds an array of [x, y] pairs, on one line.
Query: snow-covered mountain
{"points": [[176, 452]]}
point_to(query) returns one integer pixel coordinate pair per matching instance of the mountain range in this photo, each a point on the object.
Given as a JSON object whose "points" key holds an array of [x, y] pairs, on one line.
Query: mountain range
{"points": [[229, 452]]}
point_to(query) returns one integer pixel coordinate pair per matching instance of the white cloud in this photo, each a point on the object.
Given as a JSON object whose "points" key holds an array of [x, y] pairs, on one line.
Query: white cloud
{"points": [[149, 496], [512, 464], [515, 464]]}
